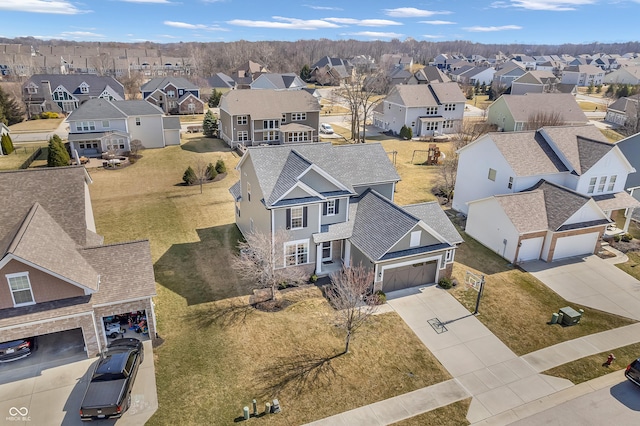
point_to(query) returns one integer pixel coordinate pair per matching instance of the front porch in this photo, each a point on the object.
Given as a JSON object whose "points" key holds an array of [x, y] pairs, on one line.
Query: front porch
{"points": [[329, 257], [611, 205]]}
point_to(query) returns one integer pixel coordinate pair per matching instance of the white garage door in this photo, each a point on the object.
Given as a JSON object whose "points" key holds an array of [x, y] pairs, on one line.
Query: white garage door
{"points": [[530, 249], [575, 245]]}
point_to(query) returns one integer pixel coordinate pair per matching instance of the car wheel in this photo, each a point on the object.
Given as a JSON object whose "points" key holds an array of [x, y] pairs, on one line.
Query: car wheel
{"points": [[113, 335]]}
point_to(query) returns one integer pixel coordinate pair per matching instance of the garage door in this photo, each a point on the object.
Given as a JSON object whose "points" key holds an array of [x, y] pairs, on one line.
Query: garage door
{"points": [[530, 249], [409, 276], [575, 245]]}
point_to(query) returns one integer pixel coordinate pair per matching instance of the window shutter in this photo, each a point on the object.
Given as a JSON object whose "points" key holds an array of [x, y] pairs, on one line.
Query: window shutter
{"points": [[288, 218], [324, 209], [304, 217], [337, 210]]}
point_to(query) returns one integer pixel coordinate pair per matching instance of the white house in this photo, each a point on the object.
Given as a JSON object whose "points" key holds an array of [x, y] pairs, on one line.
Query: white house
{"points": [[624, 75], [583, 75], [427, 109], [101, 125]]}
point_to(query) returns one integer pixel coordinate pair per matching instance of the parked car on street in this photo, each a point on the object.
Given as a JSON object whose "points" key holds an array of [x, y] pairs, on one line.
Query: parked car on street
{"points": [[17, 349], [326, 128], [109, 392], [633, 372]]}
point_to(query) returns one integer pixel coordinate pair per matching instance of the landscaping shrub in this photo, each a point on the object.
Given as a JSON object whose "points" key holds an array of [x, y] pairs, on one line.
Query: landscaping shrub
{"points": [[48, 114], [406, 133], [445, 283], [189, 176], [221, 167], [616, 238], [6, 144], [381, 298], [211, 172], [627, 237], [57, 155]]}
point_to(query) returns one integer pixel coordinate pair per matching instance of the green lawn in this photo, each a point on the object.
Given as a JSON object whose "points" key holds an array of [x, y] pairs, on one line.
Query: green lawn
{"points": [[218, 354]]}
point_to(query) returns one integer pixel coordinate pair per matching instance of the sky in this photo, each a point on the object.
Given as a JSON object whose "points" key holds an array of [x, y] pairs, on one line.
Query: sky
{"points": [[170, 21]]}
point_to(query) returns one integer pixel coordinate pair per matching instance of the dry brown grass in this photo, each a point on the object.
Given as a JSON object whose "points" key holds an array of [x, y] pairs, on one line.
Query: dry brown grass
{"points": [[19, 156], [48, 125], [450, 415]]}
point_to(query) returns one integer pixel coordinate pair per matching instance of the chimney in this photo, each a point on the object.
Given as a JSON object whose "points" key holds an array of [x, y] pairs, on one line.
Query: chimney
{"points": [[46, 90]]}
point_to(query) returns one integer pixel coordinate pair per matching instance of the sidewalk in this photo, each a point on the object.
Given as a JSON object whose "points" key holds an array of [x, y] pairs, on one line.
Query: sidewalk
{"points": [[500, 382]]}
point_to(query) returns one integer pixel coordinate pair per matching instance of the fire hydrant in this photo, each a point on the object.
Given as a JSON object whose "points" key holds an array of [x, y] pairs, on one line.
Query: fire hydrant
{"points": [[609, 360]]}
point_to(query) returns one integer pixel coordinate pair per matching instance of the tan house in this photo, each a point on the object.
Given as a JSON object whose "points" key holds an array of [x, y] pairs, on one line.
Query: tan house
{"points": [[58, 275], [272, 117]]}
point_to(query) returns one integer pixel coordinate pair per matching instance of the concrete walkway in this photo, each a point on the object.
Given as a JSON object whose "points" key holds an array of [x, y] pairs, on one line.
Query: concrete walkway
{"points": [[591, 281], [500, 382]]}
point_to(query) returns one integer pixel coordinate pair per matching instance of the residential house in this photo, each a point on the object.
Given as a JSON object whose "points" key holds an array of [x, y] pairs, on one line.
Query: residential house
{"points": [[58, 275], [336, 209], [535, 82], [443, 61], [330, 71], [576, 159], [508, 72], [428, 74], [398, 76], [555, 67], [630, 147], [428, 109], [173, 95], [65, 93], [254, 117], [624, 111], [101, 125], [527, 62], [471, 75], [364, 63], [221, 82], [246, 73], [625, 75], [287, 81], [519, 112], [583, 75]]}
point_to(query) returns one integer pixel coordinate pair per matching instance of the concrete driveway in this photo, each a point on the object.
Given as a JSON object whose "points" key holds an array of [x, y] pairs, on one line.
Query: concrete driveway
{"points": [[49, 391], [591, 281]]}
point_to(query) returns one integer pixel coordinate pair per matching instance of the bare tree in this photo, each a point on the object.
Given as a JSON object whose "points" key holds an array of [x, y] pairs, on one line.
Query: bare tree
{"points": [[349, 295], [263, 259], [135, 146], [132, 84], [632, 122], [202, 172], [540, 119]]}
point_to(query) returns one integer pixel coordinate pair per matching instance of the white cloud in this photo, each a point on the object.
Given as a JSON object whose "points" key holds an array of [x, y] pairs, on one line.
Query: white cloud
{"points": [[147, 1], [185, 25], [59, 7], [437, 22], [322, 7], [432, 36], [553, 5], [492, 29], [374, 34], [80, 34], [167, 36], [285, 23], [363, 22], [412, 12]]}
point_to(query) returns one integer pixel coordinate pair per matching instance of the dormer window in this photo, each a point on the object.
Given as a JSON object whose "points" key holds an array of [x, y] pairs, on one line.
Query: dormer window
{"points": [[84, 88], [20, 287], [32, 89]]}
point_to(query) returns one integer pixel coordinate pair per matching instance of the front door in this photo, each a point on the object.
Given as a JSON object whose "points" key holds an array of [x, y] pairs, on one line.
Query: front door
{"points": [[326, 251]]}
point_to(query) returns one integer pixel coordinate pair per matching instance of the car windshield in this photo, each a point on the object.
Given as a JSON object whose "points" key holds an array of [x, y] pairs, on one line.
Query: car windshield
{"points": [[11, 344]]}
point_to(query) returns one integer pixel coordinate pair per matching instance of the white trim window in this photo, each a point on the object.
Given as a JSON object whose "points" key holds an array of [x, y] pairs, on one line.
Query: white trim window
{"points": [[449, 107], [297, 218], [432, 110], [20, 288], [592, 185], [84, 88], [138, 122], [243, 136], [448, 257], [270, 124], [271, 135], [331, 207], [430, 125], [612, 183], [297, 137], [603, 180], [85, 126], [492, 174], [298, 116], [241, 119], [105, 124], [248, 191], [296, 253]]}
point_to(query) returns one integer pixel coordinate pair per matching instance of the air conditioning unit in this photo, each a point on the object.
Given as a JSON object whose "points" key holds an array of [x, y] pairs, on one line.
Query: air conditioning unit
{"points": [[570, 316]]}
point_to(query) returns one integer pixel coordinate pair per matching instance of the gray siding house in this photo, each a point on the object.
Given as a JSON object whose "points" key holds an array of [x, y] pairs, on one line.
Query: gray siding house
{"points": [[336, 209], [267, 116]]}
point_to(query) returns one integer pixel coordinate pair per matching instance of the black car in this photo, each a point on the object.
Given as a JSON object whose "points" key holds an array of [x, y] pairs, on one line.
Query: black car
{"points": [[109, 392], [633, 372], [17, 349]]}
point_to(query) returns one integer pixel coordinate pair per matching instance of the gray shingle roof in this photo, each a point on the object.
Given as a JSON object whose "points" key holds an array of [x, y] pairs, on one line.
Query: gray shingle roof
{"points": [[582, 146], [221, 80], [267, 103], [528, 153], [236, 191], [522, 107], [104, 109], [432, 214], [71, 82], [161, 82], [630, 147], [352, 165], [422, 95], [560, 203], [138, 107], [526, 210], [281, 81]]}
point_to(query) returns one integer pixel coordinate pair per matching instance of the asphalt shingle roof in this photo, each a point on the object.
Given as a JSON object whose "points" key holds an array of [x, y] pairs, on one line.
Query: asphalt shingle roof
{"points": [[526, 210], [582, 146], [560, 203], [104, 109], [97, 84], [267, 103], [161, 82], [522, 107], [432, 214], [528, 153]]}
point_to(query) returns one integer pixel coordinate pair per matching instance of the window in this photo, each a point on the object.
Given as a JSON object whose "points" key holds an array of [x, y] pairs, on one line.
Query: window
{"points": [[250, 224], [284, 118], [612, 182], [447, 124], [84, 88], [326, 250], [510, 184], [85, 126], [592, 185], [138, 121], [271, 124], [415, 239], [296, 253], [192, 108], [271, 135], [81, 146], [20, 289], [297, 137], [430, 125], [32, 90], [330, 208], [603, 180], [105, 124], [243, 135], [248, 191], [492, 175], [432, 110], [241, 119], [297, 218], [171, 94], [449, 107], [448, 257], [298, 116]]}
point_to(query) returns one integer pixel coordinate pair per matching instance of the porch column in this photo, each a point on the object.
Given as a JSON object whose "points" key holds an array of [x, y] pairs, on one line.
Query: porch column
{"points": [[318, 258], [628, 220], [347, 253]]}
